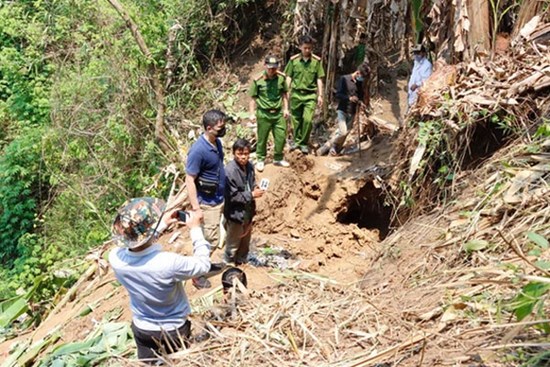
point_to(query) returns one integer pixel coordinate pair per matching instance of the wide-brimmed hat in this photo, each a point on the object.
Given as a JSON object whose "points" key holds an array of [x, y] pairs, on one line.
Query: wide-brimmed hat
{"points": [[137, 221], [271, 62]]}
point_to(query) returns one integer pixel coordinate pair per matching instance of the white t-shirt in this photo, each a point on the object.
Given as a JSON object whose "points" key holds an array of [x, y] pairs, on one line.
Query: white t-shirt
{"points": [[421, 71]]}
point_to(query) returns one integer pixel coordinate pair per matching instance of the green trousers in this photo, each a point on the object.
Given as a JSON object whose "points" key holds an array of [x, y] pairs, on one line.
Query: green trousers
{"points": [[302, 108], [270, 122]]}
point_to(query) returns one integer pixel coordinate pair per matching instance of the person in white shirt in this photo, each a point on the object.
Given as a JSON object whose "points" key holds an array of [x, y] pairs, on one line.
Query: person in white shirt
{"points": [[421, 71], [153, 277]]}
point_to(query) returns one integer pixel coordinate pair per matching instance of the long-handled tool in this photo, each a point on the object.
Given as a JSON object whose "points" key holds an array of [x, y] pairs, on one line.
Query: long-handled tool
{"points": [[357, 121]]}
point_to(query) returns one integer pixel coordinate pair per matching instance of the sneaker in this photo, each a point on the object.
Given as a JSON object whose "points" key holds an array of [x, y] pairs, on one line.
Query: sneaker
{"points": [[260, 166], [227, 261], [201, 283], [304, 150], [292, 146], [281, 163]]}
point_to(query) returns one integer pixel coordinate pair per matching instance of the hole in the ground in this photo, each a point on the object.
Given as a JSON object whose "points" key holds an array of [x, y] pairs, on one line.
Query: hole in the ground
{"points": [[485, 139], [367, 210]]}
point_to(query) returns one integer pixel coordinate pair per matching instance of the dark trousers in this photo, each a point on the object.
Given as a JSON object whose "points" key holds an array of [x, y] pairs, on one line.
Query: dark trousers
{"points": [[237, 241], [151, 344]]}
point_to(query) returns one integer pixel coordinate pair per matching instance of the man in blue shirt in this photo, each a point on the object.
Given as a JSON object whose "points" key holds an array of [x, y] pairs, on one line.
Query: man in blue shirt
{"points": [[205, 179], [153, 278]]}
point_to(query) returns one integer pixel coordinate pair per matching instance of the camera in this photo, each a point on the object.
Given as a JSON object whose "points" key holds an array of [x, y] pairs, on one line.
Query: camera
{"points": [[182, 215]]}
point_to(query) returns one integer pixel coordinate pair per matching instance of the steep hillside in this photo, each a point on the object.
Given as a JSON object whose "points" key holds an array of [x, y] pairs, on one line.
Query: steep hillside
{"points": [[427, 246], [441, 290]]}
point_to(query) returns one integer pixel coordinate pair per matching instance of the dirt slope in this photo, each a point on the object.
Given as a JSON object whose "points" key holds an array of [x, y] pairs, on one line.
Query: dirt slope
{"points": [[415, 298], [300, 213]]}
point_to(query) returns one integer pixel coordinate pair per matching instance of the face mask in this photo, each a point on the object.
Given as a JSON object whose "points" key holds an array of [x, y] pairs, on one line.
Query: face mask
{"points": [[360, 78], [418, 58], [220, 133]]}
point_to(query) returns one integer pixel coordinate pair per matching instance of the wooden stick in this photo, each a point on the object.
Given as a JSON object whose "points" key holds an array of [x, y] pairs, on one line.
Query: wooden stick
{"points": [[518, 345], [386, 352], [358, 122]]}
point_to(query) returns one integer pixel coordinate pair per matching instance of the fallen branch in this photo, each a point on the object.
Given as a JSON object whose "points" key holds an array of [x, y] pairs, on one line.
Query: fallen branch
{"points": [[365, 361], [518, 345], [72, 292], [518, 252]]}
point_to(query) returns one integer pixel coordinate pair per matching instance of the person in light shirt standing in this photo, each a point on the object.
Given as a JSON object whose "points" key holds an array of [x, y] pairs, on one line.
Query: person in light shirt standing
{"points": [[421, 71], [153, 277]]}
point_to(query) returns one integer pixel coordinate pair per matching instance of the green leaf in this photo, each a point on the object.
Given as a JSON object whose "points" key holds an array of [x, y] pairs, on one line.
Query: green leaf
{"points": [[4, 305], [13, 312], [11, 361], [526, 300], [535, 252], [71, 348], [543, 264], [538, 240], [85, 311], [475, 245], [36, 348]]}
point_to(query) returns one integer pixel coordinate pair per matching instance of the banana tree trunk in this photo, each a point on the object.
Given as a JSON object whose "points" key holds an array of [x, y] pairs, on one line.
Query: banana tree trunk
{"points": [[526, 12], [479, 35]]}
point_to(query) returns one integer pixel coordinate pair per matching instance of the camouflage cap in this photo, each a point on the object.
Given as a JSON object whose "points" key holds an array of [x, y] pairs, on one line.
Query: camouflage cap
{"points": [[137, 221]]}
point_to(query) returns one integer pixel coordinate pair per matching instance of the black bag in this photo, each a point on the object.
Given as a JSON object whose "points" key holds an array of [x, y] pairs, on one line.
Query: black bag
{"points": [[210, 187], [206, 186]]}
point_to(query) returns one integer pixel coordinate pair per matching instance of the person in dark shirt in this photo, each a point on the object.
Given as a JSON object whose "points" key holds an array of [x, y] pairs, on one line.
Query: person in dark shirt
{"points": [[240, 192], [205, 178], [349, 92]]}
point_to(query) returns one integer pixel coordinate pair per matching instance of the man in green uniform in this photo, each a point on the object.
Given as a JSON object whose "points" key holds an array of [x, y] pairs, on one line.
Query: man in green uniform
{"points": [[269, 106], [306, 73]]}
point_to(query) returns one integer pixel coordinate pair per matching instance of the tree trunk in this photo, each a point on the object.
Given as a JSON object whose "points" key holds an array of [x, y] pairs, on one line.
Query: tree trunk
{"points": [[332, 53], [478, 37], [158, 89], [526, 12]]}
